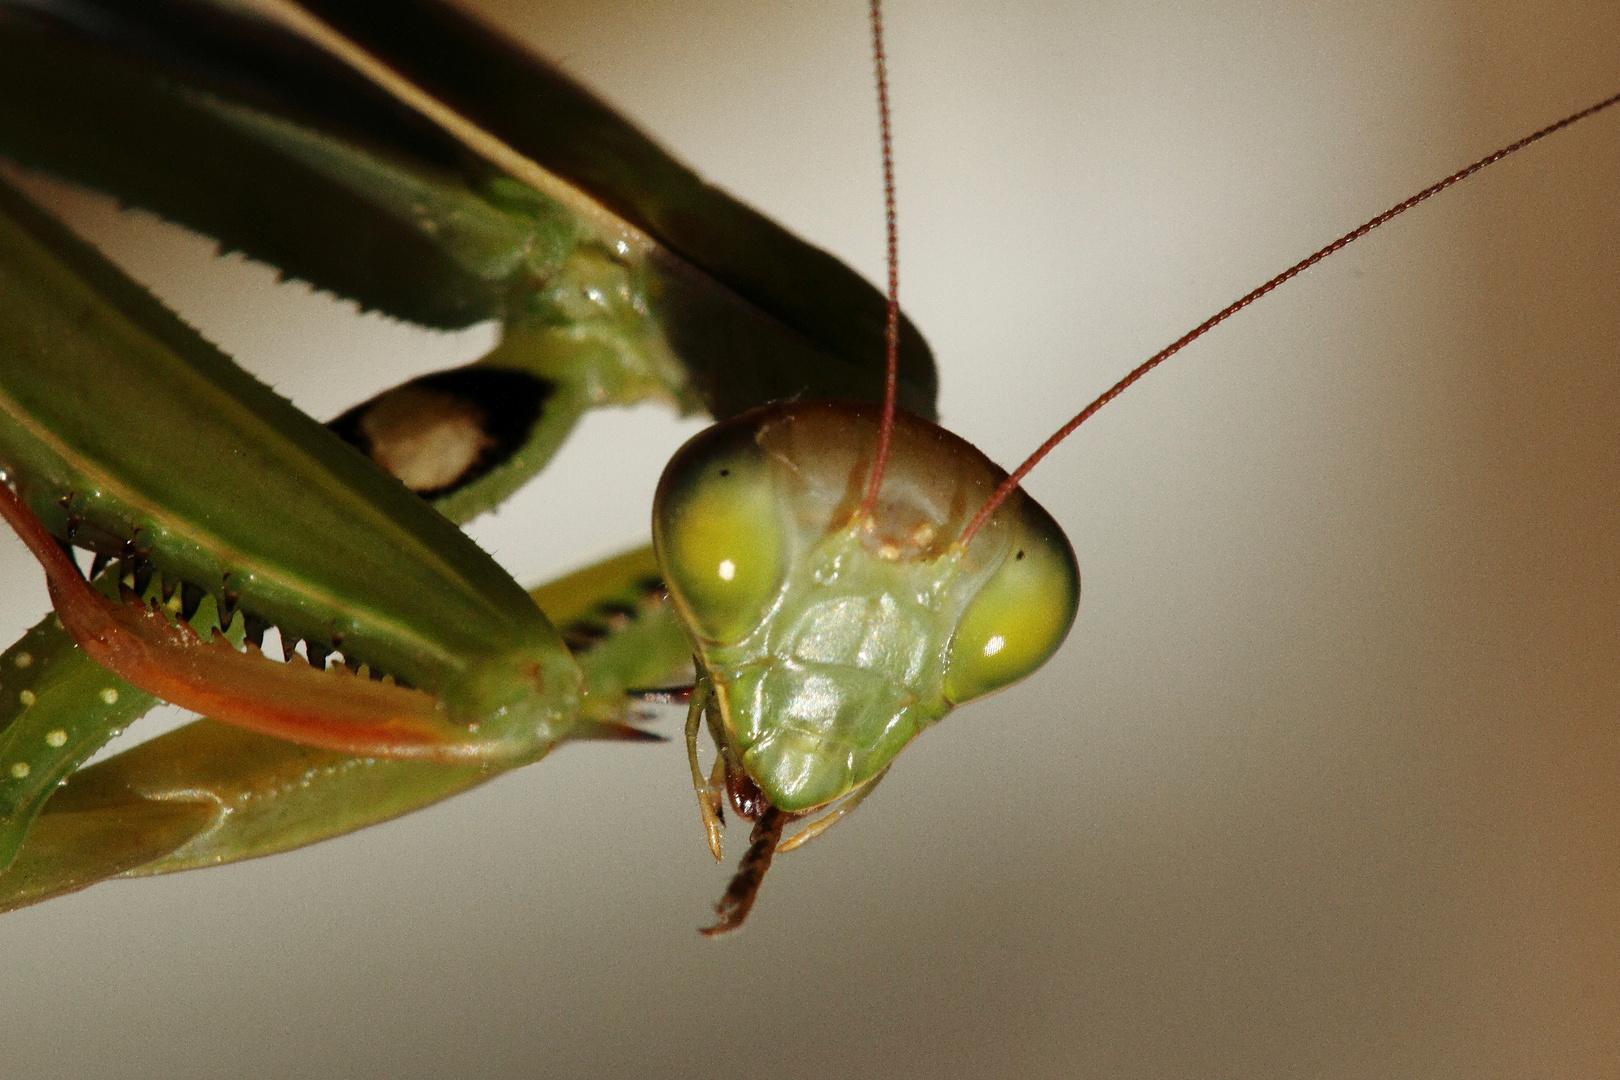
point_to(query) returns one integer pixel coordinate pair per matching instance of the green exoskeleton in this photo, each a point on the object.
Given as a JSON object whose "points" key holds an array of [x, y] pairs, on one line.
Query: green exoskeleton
{"points": [[209, 510], [879, 623]]}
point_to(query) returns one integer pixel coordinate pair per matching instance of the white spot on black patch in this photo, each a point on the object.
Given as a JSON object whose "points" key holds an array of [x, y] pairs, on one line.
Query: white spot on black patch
{"points": [[443, 431]]}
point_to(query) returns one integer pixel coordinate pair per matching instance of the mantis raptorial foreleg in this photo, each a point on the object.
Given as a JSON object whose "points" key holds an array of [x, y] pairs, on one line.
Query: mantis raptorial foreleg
{"points": [[69, 706], [209, 793], [56, 709]]}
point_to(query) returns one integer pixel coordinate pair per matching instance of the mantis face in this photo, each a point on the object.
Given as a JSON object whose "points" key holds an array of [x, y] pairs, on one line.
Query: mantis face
{"points": [[831, 640]]}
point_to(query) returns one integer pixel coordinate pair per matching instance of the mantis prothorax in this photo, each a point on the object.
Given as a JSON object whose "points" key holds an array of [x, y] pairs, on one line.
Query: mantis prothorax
{"points": [[850, 574]]}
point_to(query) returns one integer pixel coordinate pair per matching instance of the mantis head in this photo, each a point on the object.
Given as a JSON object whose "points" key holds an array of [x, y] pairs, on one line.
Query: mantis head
{"points": [[832, 637], [828, 629]]}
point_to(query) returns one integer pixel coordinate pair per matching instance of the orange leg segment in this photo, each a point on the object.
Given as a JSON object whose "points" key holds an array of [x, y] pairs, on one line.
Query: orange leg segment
{"points": [[333, 710]]}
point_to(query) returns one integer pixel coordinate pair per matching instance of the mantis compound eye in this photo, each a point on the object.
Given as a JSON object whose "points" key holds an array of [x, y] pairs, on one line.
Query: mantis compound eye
{"points": [[1020, 615], [719, 534]]}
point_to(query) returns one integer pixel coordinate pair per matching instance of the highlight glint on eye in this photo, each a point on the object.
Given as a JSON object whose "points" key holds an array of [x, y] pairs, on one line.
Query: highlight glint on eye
{"points": [[728, 569], [994, 645]]}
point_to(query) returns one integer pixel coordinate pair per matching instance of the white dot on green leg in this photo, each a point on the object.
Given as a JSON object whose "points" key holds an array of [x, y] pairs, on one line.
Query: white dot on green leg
{"points": [[56, 738], [23, 659], [27, 697], [110, 696], [20, 770]]}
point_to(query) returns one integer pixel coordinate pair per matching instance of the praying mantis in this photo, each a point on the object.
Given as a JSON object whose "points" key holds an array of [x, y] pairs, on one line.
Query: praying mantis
{"points": [[1076, 710]]}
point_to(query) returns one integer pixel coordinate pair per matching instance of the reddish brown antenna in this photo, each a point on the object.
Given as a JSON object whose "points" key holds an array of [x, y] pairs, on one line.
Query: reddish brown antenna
{"points": [[1018, 474], [891, 329]]}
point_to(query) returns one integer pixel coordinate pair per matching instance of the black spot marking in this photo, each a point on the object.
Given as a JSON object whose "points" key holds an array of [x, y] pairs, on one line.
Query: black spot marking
{"points": [[610, 617], [443, 431], [253, 627], [582, 634], [191, 597], [614, 615], [1020, 555], [317, 654]]}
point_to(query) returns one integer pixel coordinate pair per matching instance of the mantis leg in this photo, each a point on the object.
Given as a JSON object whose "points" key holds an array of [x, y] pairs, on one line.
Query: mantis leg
{"points": [[209, 793], [56, 709]]}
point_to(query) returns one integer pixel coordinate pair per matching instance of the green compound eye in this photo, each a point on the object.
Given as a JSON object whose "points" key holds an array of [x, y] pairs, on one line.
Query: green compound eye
{"points": [[718, 531], [1020, 616]]}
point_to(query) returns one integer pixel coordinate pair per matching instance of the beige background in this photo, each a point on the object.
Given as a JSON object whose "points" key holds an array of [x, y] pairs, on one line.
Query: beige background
{"points": [[1325, 783]]}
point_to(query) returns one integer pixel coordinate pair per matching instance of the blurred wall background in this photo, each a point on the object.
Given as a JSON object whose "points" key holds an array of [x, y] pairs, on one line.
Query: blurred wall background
{"points": [[1325, 783]]}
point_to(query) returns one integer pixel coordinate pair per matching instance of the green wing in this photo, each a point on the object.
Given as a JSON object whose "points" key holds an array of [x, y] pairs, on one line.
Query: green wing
{"points": [[248, 133]]}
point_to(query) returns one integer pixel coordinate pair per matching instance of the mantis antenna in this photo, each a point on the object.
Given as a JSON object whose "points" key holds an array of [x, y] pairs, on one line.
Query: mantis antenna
{"points": [[825, 643], [1010, 484], [891, 330]]}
